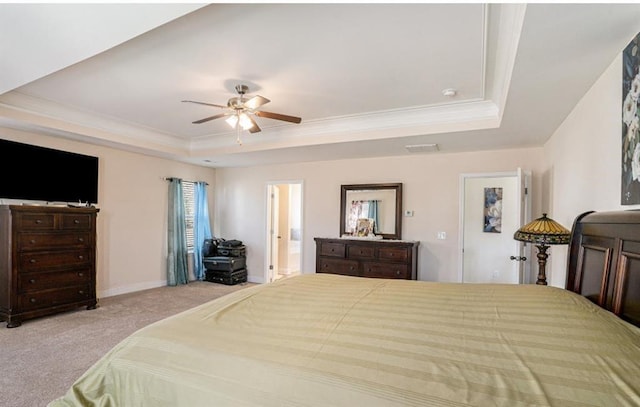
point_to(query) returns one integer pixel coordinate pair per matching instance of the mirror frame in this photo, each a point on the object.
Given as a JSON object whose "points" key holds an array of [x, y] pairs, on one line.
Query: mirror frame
{"points": [[397, 186]]}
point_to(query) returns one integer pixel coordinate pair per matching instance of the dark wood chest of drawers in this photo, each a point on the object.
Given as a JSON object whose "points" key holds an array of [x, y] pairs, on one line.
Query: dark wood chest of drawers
{"points": [[47, 261], [367, 258]]}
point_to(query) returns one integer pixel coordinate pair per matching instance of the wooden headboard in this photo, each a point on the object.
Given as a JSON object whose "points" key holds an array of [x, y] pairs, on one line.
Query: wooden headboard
{"points": [[603, 261]]}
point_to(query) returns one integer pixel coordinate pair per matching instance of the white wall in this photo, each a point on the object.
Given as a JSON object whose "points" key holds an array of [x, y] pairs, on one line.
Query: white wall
{"points": [[430, 188], [132, 222], [584, 161]]}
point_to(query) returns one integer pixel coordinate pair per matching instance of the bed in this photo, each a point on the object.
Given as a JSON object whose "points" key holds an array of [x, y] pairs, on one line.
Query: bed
{"points": [[332, 340]]}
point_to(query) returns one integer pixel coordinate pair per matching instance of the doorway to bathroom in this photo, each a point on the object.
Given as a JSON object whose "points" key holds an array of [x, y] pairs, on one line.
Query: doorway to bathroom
{"points": [[284, 230]]}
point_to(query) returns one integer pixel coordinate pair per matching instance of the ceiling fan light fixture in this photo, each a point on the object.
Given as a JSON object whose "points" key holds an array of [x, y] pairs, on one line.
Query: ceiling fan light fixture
{"points": [[232, 121], [245, 121]]}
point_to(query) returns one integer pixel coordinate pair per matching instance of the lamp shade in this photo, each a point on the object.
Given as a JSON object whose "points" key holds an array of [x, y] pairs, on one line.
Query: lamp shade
{"points": [[543, 231]]}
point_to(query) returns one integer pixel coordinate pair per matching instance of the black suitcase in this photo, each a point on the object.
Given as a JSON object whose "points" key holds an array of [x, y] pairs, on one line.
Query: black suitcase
{"points": [[230, 243], [210, 247], [240, 251], [226, 277], [223, 263]]}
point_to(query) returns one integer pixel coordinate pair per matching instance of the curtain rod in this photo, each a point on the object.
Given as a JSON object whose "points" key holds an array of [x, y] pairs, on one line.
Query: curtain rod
{"points": [[172, 178]]}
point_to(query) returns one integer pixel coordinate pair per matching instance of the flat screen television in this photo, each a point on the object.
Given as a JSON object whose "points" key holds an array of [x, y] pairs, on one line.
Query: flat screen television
{"points": [[36, 173]]}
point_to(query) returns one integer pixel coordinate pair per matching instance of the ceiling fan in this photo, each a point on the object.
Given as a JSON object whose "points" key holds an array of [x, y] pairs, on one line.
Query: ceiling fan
{"points": [[240, 109]]}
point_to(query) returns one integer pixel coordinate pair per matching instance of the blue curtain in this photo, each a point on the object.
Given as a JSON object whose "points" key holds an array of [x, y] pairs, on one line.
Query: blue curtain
{"points": [[373, 214], [177, 272], [202, 227]]}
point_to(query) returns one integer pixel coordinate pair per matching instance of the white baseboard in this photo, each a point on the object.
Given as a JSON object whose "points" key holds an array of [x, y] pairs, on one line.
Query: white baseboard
{"points": [[131, 288], [254, 279], [153, 284]]}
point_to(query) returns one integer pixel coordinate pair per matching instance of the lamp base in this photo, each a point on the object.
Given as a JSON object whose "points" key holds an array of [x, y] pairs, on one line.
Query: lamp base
{"points": [[542, 263]]}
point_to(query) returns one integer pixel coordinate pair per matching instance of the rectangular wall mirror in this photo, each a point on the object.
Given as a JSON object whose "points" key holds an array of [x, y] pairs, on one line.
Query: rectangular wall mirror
{"points": [[379, 203]]}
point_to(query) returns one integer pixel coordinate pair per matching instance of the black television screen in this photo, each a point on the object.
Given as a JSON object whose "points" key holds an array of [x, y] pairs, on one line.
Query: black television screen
{"points": [[43, 174]]}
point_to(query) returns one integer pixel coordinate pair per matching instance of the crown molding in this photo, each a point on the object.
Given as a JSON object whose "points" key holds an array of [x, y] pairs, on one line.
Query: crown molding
{"points": [[448, 118], [51, 118]]}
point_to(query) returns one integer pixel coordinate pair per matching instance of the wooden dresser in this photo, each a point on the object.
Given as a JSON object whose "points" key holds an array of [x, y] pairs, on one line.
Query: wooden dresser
{"points": [[47, 261], [367, 258]]}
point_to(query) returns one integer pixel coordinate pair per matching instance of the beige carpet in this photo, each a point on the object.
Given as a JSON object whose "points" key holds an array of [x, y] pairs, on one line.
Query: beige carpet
{"points": [[42, 358]]}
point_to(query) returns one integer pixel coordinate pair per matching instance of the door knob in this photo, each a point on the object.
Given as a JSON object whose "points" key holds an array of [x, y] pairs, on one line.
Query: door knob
{"points": [[518, 258]]}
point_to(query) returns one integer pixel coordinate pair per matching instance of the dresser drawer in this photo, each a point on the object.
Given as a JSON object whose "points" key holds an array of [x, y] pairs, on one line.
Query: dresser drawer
{"points": [[361, 252], [39, 241], [334, 266], [332, 249], [35, 221], [393, 254], [28, 282], [390, 270], [43, 260], [76, 221], [52, 298]]}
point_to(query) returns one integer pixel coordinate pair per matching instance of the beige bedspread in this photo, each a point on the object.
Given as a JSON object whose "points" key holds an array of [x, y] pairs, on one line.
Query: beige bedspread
{"points": [[329, 340]]}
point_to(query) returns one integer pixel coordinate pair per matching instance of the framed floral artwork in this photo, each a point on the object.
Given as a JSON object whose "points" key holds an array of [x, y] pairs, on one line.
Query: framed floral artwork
{"points": [[630, 188], [493, 210]]}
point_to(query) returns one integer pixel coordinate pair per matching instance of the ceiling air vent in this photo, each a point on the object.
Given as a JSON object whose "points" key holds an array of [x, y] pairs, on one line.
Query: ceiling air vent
{"points": [[421, 148]]}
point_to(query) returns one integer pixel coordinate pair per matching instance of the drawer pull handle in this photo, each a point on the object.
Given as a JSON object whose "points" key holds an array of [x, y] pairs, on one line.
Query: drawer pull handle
{"points": [[80, 239], [32, 300], [32, 261], [32, 241], [80, 292], [333, 250], [32, 281], [80, 274], [38, 221], [397, 272], [81, 257], [76, 221]]}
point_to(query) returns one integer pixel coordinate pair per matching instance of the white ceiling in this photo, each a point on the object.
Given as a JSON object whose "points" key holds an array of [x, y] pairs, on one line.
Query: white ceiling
{"points": [[367, 79]]}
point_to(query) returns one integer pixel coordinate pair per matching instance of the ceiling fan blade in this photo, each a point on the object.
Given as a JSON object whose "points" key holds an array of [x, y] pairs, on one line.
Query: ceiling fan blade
{"points": [[256, 101], [215, 116], [204, 103], [255, 128], [278, 116]]}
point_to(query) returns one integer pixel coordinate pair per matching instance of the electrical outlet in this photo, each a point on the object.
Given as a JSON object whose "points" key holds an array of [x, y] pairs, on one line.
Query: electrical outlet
{"points": [[408, 213], [442, 235]]}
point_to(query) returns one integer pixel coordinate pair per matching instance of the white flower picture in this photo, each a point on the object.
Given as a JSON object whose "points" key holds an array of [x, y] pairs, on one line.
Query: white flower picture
{"points": [[630, 163], [493, 210]]}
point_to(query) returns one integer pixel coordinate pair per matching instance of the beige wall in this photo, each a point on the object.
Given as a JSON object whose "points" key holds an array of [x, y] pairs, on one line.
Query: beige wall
{"points": [[584, 160], [132, 222], [577, 170], [430, 186]]}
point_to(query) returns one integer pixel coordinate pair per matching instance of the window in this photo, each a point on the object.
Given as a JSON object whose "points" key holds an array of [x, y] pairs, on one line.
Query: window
{"points": [[188, 192]]}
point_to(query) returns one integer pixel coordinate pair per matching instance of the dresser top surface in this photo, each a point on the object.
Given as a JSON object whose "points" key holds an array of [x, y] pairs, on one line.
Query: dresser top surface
{"points": [[48, 208], [366, 240]]}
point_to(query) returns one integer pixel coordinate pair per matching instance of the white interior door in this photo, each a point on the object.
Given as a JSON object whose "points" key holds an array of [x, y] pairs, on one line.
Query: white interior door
{"points": [[522, 258], [273, 231], [489, 253]]}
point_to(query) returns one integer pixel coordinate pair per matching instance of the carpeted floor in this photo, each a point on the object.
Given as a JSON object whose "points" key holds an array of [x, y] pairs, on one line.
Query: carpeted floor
{"points": [[42, 358]]}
